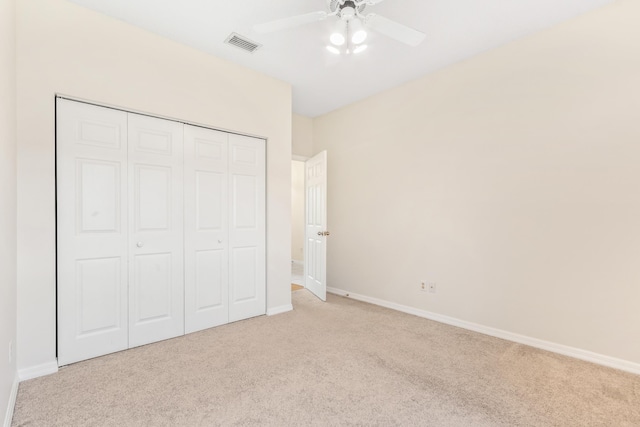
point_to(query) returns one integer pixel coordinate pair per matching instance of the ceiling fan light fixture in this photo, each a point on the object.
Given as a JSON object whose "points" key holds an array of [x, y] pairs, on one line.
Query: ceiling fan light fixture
{"points": [[350, 31], [338, 37], [360, 48], [358, 31], [333, 50]]}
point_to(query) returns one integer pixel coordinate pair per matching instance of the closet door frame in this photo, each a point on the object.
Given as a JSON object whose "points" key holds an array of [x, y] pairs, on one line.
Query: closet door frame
{"points": [[244, 299]]}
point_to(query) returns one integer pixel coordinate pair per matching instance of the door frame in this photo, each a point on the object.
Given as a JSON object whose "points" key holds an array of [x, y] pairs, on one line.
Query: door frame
{"points": [[57, 96], [303, 159]]}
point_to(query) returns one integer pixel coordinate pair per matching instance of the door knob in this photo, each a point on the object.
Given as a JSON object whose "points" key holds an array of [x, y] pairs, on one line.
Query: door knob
{"points": [[219, 240], [323, 233], [320, 233], [139, 244]]}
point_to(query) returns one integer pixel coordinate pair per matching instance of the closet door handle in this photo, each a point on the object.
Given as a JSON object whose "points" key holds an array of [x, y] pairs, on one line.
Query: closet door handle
{"points": [[139, 244]]}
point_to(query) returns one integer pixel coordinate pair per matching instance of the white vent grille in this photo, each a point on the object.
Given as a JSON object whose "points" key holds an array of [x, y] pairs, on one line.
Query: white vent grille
{"points": [[242, 43]]}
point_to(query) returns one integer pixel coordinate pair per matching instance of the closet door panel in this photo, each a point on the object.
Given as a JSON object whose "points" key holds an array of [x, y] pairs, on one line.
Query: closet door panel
{"points": [[91, 181], [245, 274], [206, 225], [247, 280], [156, 283], [209, 282], [210, 189]]}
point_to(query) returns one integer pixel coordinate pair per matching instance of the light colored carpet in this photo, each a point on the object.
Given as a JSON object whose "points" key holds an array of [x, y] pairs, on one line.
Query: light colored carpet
{"points": [[336, 363]]}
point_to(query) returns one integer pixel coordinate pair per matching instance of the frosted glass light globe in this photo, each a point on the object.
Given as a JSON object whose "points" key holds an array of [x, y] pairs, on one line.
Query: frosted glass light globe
{"points": [[337, 39]]}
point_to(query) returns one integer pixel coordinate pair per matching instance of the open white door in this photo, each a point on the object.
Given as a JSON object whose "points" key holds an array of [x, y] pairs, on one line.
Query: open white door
{"points": [[315, 260]]}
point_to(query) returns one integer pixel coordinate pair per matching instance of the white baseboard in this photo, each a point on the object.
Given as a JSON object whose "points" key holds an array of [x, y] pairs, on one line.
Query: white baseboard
{"points": [[38, 370], [8, 417], [600, 359], [279, 310]]}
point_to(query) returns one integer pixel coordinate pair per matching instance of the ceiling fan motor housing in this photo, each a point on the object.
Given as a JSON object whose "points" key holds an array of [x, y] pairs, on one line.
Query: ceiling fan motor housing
{"points": [[346, 9]]}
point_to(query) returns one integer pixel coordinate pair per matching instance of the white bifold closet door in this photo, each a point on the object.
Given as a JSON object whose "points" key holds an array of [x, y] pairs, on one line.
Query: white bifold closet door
{"points": [[247, 227], [206, 228], [93, 223], [224, 228], [155, 207], [160, 229], [120, 230]]}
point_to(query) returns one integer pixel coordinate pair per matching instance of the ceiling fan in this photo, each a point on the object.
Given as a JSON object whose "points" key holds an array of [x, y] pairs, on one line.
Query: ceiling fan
{"points": [[352, 22]]}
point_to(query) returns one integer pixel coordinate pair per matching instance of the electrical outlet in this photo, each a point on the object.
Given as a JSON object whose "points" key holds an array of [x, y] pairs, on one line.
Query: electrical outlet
{"points": [[432, 287], [10, 351]]}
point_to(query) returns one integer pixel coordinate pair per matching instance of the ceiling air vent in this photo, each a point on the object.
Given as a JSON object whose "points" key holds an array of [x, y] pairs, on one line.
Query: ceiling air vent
{"points": [[242, 43]]}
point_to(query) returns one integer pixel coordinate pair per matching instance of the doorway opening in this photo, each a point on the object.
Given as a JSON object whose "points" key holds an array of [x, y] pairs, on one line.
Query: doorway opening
{"points": [[309, 223], [297, 224]]}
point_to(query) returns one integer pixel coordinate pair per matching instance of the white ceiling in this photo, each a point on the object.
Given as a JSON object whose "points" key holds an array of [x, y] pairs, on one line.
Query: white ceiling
{"points": [[322, 82]]}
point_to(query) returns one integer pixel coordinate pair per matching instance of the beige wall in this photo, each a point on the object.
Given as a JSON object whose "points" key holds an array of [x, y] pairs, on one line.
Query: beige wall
{"points": [[512, 180], [7, 200], [66, 49], [302, 136], [297, 210]]}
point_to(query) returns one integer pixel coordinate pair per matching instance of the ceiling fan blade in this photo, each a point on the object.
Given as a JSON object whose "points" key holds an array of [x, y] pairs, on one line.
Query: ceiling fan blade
{"points": [[290, 22], [395, 30]]}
